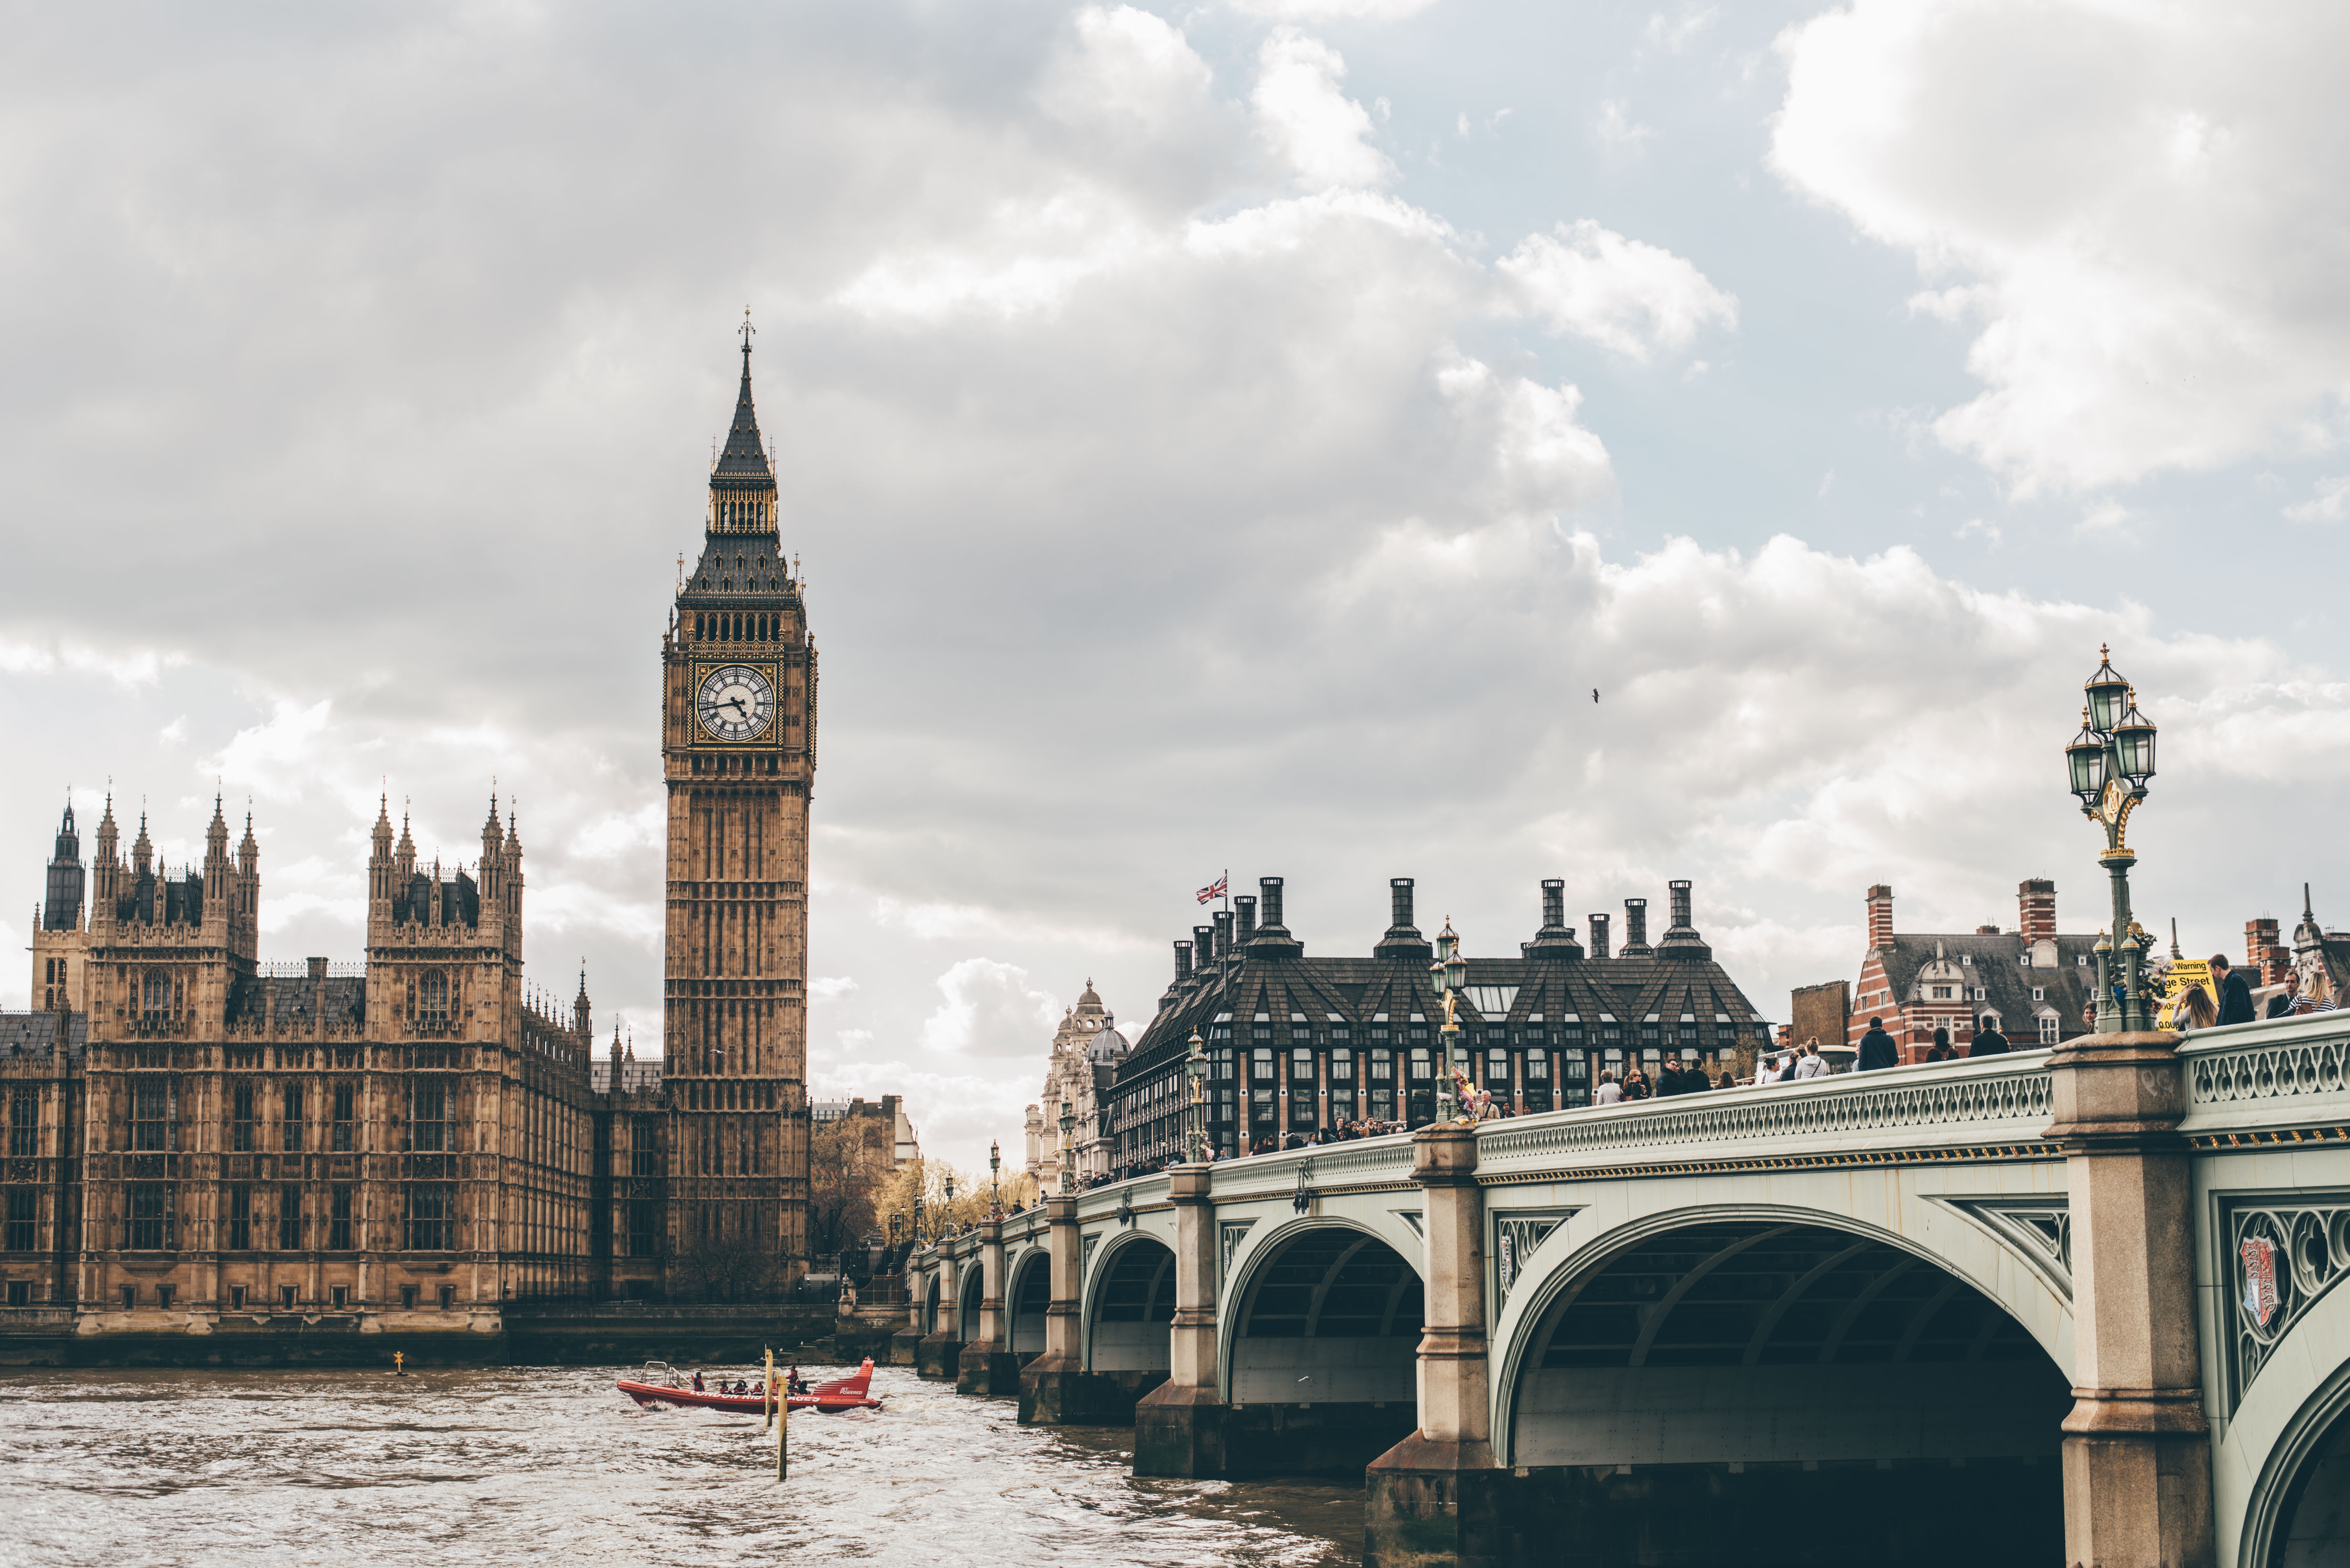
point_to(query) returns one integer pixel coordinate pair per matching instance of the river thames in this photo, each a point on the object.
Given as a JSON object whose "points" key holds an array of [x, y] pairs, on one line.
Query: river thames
{"points": [[523, 1464]]}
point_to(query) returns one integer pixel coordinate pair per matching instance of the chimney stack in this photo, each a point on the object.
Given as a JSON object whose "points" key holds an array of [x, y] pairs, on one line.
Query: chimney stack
{"points": [[1556, 937], [1680, 939], [1223, 918], [1182, 963], [2264, 951], [1403, 939], [1635, 929], [1271, 887], [1203, 941], [1247, 906], [1880, 916], [2035, 902], [1598, 936]]}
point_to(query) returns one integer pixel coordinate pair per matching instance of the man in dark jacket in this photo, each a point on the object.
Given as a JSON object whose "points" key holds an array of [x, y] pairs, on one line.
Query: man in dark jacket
{"points": [[2235, 993], [1877, 1048], [1988, 1041]]}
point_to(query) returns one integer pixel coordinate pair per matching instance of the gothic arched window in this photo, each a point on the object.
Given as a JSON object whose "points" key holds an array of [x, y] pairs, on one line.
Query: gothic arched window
{"points": [[156, 999], [432, 997]]}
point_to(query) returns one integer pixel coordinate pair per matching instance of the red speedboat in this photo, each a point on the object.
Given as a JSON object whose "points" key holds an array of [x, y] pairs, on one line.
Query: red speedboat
{"points": [[662, 1384]]}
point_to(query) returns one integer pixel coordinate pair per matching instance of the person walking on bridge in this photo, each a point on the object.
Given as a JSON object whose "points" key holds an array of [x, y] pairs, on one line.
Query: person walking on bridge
{"points": [[1988, 1040], [2235, 993], [1877, 1049]]}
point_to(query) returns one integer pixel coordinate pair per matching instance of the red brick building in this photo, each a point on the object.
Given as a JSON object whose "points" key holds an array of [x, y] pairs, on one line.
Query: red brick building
{"points": [[2035, 982]]}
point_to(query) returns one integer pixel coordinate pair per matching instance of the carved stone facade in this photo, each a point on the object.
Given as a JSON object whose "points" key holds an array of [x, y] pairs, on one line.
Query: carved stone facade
{"points": [[1087, 1051], [738, 753], [192, 1132], [197, 1141]]}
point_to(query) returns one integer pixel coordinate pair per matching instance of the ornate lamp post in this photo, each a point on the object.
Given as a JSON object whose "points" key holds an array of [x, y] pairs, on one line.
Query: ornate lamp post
{"points": [[995, 1180], [1451, 973], [2110, 761], [1195, 1068], [1068, 1150], [918, 1237], [949, 1218]]}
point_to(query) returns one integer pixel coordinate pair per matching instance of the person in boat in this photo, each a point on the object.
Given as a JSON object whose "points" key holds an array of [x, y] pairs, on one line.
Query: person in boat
{"points": [[792, 1383], [697, 1382]]}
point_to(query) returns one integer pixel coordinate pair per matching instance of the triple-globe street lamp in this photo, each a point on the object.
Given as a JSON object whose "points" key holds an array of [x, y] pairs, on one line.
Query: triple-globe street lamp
{"points": [[995, 1180], [2110, 761], [1068, 1150]]}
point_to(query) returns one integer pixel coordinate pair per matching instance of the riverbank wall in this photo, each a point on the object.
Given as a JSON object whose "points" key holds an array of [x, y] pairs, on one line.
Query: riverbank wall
{"points": [[536, 1334]]}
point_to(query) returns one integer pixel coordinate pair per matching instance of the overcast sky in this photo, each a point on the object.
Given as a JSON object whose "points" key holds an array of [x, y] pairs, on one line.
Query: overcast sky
{"points": [[1237, 435]]}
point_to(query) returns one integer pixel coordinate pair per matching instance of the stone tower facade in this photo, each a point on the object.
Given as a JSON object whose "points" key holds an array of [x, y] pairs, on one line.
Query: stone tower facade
{"points": [[738, 751]]}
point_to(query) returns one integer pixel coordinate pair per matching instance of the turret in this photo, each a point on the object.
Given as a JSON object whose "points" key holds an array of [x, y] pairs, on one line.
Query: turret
{"points": [[62, 910]]}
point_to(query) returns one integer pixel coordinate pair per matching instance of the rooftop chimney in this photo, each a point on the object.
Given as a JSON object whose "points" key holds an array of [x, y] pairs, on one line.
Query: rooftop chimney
{"points": [[1635, 929], [1182, 961], [1247, 906], [1403, 939], [318, 968], [1556, 937], [1598, 936], [1203, 946], [1223, 918], [1270, 886], [2035, 902], [1880, 916], [2264, 950], [1272, 939], [1681, 939]]}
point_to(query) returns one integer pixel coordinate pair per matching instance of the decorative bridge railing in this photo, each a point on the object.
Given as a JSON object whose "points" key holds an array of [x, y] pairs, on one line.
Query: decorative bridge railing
{"points": [[2264, 1080]]}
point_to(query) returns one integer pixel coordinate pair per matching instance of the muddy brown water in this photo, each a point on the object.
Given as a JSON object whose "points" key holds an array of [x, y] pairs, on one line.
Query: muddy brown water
{"points": [[507, 1465]]}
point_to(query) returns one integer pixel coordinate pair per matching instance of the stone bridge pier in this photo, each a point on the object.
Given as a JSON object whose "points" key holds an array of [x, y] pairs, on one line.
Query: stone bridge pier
{"points": [[2074, 1306]]}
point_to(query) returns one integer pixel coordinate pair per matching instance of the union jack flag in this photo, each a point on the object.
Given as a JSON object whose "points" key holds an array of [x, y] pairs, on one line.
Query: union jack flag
{"points": [[1217, 889]]}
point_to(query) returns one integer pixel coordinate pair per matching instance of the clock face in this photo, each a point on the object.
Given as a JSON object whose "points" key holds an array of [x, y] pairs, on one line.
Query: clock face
{"points": [[736, 703]]}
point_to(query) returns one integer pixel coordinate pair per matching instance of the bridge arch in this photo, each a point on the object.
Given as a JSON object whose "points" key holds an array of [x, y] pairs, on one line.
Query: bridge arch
{"points": [[1324, 1313], [1027, 1295], [1129, 1303], [971, 1289], [931, 1321], [1710, 1371]]}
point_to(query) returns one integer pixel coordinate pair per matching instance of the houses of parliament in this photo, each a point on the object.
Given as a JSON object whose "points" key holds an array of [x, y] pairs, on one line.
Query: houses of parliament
{"points": [[200, 1142]]}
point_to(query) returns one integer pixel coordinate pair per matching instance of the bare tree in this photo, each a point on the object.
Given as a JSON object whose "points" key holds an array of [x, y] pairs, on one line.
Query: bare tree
{"points": [[729, 1265], [849, 1163]]}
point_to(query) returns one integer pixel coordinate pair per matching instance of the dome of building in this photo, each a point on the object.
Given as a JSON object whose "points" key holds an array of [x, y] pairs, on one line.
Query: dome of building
{"points": [[1108, 1047]]}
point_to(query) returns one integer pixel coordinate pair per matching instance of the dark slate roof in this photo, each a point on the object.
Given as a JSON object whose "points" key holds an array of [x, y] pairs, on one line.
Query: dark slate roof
{"points": [[1995, 964], [737, 564], [36, 1033], [1500, 990], [742, 465], [301, 1001]]}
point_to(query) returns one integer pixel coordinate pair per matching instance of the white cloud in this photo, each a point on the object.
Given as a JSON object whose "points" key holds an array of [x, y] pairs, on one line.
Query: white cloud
{"points": [[1324, 136], [831, 988], [1631, 299], [990, 1011], [2123, 194], [1617, 131], [2330, 504], [1332, 10]]}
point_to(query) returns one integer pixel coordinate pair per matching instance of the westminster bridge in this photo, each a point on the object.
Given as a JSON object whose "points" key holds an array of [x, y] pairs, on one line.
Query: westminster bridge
{"points": [[2076, 1298]]}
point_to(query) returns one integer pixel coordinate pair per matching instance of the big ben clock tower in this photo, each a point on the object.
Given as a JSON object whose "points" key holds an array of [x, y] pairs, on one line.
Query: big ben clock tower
{"points": [[738, 750]]}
